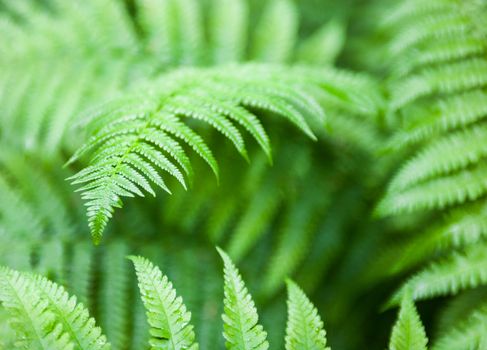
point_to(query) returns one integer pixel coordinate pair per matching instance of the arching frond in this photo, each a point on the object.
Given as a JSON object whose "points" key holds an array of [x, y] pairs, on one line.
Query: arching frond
{"points": [[137, 137], [73, 317]]}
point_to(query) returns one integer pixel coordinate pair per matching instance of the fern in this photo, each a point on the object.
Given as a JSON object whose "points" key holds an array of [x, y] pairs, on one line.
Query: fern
{"points": [[304, 328], [166, 313], [437, 109], [166, 95], [468, 335], [241, 328], [126, 149], [45, 316], [455, 273], [408, 332]]}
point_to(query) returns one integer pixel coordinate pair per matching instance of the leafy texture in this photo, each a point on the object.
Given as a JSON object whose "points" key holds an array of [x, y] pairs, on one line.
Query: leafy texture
{"points": [[45, 316], [241, 328], [135, 138], [160, 82], [166, 313], [408, 332], [437, 79], [304, 329]]}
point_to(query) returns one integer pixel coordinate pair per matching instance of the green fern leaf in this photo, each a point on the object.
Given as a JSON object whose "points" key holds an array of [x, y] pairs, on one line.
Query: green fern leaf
{"points": [[73, 317], [134, 138], [454, 77], [448, 276], [168, 319], [30, 315], [440, 117], [241, 328], [304, 329], [457, 188], [443, 156], [408, 332], [469, 334]]}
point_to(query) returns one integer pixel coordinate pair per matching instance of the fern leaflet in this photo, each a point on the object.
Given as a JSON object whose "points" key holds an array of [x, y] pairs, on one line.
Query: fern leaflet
{"points": [[304, 329], [168, 318], [241, 328]]}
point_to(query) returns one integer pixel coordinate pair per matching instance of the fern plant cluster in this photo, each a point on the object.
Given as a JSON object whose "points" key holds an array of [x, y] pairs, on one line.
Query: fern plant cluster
{"points": [[334, 150]]}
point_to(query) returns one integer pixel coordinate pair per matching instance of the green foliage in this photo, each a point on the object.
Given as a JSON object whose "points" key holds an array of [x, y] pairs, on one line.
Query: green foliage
{"points": [[408, 332], [129, 134], [166, 313], [48, 318], [138, 95], [241, 328], [304, 329], [45, 316]]}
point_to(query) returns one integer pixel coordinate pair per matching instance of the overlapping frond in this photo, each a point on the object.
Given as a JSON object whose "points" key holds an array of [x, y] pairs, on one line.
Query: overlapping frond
{"points": [[45, 316], [437, 108], [438, 104], [52, 57]]}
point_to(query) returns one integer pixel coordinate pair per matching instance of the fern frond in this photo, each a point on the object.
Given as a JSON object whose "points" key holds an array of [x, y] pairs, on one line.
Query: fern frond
{"points": [[420, 30], [73, 317], [275, 35], [254, 221], [442, 156], [448, 276], [304, 329], [462, 227], [324, 45], [126, 150], [408, 332], [241, 328], [166, 313], [469, 334], [30, 315], [81, 269], [453, 77], [113, 294], [15, 210], [458, 188], [296, 234], [439, 51], [406, 10], [442, 116], [228, 30]]}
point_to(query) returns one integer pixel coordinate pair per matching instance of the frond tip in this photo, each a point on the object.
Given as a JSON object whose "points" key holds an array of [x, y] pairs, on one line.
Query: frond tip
{"points": [[408, 332], [169, 321], [304, 329], [240, 318]]}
